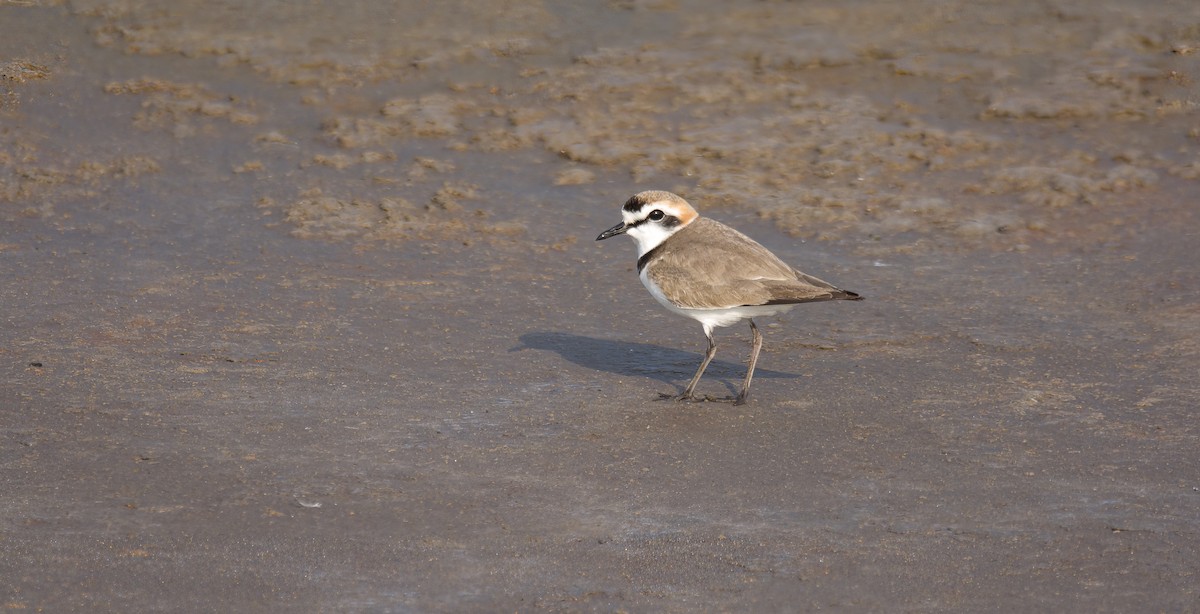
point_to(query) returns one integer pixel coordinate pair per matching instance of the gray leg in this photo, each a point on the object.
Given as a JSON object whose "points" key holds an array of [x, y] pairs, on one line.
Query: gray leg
{"points": [[755, 346], [708, 356]]}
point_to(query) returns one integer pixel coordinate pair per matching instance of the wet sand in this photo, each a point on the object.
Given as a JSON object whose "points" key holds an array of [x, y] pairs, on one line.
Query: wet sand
{"points": [[302, 307]]}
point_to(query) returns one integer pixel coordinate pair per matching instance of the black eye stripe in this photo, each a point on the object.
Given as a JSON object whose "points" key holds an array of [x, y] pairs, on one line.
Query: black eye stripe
{"points": [[668, 221]]}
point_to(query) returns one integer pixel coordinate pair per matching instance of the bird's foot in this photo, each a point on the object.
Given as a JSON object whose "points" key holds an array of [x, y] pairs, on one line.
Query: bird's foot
{"points": [[662, 396], [708, 398]]}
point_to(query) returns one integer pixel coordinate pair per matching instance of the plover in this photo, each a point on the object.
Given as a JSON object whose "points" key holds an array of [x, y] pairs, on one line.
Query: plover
{"points": [[707, 271]]}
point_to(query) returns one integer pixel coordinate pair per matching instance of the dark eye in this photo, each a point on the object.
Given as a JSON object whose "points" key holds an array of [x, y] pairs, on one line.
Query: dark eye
{"points": [[655, 215]]}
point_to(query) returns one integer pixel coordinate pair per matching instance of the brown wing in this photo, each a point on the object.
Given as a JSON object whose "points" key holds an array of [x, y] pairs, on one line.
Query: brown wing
{"points": [[709, 265]]}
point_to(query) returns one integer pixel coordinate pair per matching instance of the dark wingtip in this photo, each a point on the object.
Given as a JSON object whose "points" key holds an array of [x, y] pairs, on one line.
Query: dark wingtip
{"points": [[850, 296]]}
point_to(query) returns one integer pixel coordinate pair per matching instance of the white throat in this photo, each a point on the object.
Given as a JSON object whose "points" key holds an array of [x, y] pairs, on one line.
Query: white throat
{"points": [[649, 236]]}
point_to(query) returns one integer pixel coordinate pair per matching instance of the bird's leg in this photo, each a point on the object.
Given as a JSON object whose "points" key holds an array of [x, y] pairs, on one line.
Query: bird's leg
{"points": [[708, 356], [755, 346]]}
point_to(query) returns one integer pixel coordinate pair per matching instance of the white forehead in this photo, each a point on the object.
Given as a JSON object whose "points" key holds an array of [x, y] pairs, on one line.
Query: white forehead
{"points": [[666, 206]]}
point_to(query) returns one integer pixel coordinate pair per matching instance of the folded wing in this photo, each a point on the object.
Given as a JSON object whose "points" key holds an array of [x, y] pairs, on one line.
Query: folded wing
{"points": [[720, 267]]}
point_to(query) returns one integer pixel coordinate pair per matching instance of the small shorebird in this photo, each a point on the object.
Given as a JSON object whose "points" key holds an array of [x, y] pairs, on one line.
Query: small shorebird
{"points": [[711, 273]]}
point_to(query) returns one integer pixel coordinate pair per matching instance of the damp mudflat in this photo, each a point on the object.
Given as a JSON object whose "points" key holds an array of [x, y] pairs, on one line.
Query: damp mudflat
{"points": [[301, 307]]}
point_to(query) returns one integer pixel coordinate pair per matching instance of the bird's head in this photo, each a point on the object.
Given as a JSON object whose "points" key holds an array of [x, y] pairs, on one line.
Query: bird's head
{"points": [[650, 217]]}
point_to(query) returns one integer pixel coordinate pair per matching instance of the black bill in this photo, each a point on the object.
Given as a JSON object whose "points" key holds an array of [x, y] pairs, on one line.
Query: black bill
{"points": [[619, 229]]}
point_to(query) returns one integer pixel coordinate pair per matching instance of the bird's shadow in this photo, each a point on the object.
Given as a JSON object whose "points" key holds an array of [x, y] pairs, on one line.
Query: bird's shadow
{"points": [[667, 365]]}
